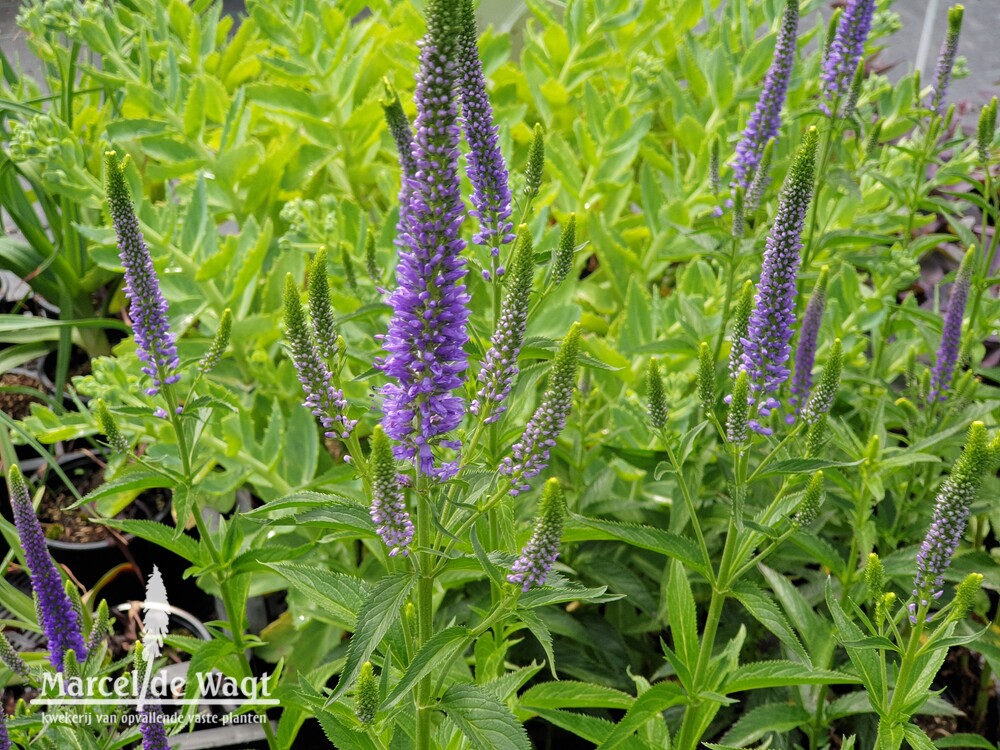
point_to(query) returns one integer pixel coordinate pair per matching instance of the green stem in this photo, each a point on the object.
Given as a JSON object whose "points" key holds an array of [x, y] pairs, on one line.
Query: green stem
{"points": [[425, 613], [692, 511], [728, 299]]}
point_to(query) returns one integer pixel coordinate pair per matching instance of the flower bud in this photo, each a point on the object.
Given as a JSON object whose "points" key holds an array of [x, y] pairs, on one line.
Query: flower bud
{"points": [[812, 500], [965, 596], [562, 262], [657, 399], [739, 410], [875, 577], [366, 695], [219, 343], [741, 321], [107, 424], [986, 130], [706, 377], [536, 163]]}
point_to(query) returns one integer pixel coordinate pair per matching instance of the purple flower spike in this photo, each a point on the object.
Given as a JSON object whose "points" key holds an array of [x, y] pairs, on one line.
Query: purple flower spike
{"points": [[951, 332], [951, 512], [147, 306], [388, 508], [4, 737], [323, 398], [531, 452], [805, 353], [425, 344], [946, 58], [500, 367], [491, 198], [766, 348], [56, 615], [845, 50], [765, 122], [154, 734], [542, 549]]}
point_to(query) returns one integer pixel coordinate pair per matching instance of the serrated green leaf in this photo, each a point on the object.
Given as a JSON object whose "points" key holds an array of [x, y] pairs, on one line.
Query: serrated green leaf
{"points": [[572, 694], [485, 722], [765, 674], [381, 609], [770, 717], [438, 650]]}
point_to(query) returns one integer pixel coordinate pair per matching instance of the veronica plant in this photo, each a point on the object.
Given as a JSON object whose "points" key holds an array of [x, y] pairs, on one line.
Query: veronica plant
{"points": [[438, 503]]}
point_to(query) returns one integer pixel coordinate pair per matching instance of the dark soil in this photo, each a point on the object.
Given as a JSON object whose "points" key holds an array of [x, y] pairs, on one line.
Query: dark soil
{"points": [[18, 405], [75, 525]]}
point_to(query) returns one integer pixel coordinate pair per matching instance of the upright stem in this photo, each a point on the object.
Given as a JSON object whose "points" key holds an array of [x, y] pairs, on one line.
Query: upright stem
{"points": [[425, 614], [728, 299]]}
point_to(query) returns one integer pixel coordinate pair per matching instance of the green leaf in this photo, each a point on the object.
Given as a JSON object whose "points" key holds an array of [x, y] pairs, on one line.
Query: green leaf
{"points": [[767, 612], [131, 481], [965, 740], [770, 717], [571, 694], [439, 650], [917, 738], [340, 727], [866, 661], [766, 674], [485, 722], [382, 608], [341, 595], [541, 632], [681, 615], [182, 545], [645, 537], [658, 698]]}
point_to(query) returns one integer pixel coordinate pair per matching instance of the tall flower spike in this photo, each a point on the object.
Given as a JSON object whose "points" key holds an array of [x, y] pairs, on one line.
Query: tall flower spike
{"points": [[425, 344], [562, 263], [826, 391], [951, 332], [147, 306], [951, 512], [740, 323], [388, 509], [491, 198], [500, 366], [654, 393], [323, 398], [542, 549], [845, 50], [805, 353], [765, 122], [219, 343], [57, 616], [946, 58], [765, 348], [4, 737], [531, 452], [154, 734], [320, 307]]}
